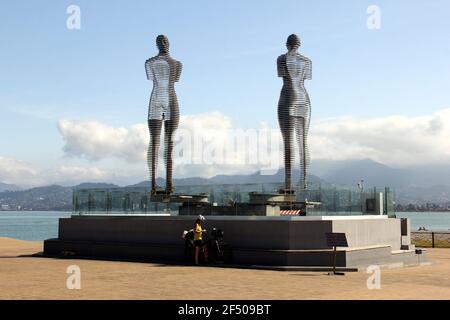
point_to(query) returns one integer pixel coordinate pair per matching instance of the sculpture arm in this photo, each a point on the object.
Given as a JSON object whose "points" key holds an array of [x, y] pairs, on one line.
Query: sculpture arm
{"points": [[281, 66], [148, 70], [179, 68], [308, 72]]}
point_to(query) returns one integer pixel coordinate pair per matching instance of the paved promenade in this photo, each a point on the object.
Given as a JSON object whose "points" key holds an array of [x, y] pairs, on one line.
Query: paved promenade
{"points": [[25, 277]]}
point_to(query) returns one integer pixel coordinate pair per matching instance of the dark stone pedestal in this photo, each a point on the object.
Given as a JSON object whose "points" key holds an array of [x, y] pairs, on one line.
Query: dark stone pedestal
{"points": [[265, 241]]}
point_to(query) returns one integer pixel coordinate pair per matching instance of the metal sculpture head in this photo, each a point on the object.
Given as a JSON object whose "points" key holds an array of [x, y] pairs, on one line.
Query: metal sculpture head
{"points": [[293, 42], [163, 44]]}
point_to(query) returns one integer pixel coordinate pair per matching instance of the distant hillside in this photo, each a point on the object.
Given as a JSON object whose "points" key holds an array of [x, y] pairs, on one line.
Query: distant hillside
{"points": [[39, 199], [431, 175], [256, 177], [177, 182], [8, 187], [89, 185], [412, 186], [415, 185], [351, 172], [421, 195]]}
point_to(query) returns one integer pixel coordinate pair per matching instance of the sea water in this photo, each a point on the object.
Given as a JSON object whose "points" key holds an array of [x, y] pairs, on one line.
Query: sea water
{"points": [[30, 225], [41, 225]]}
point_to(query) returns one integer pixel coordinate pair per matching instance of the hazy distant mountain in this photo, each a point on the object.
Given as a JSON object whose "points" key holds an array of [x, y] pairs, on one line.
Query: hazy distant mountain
{"points": [[48, 198], [420, 195], [256, 177], [351, 172], [431, 175], [97, 185], [40, 198], [416, 185], [8, 187]]}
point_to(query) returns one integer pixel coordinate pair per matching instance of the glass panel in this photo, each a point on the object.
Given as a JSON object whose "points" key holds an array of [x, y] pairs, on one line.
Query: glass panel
{"points": [[324, 199]]}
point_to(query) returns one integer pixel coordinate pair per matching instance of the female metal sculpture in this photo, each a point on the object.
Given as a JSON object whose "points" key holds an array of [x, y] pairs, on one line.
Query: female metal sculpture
{"points": [[294, 108], [163, 108]]}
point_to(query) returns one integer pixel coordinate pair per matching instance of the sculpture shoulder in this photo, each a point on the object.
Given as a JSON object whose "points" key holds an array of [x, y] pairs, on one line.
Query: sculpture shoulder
{"points": [[151, 60], [306, 59], [281, 58], [174, 63], [167, 59], [178, 64]]}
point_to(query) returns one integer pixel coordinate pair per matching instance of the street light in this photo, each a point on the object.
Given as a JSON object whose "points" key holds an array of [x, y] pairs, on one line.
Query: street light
{"points": [[361, 190]]}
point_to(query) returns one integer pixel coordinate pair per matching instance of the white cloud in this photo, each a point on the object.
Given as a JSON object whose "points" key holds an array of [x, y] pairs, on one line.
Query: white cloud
{"points": [[94, 140], [199, 144], [77, 174], [393, 140], [13, 171]]}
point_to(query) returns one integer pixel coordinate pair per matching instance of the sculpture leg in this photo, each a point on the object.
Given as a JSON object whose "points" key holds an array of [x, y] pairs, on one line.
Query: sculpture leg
{"points": [[287, 130], [170, 126], [301, 129], [154, 127]]}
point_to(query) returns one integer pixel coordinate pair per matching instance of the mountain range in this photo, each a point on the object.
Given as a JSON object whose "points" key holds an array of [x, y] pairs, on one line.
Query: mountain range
{"points": [[9, 187], [413, 185]]}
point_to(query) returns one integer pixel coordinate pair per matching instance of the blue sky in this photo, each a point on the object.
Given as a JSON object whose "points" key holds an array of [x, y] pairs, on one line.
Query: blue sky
{"points": [[228, 49]]}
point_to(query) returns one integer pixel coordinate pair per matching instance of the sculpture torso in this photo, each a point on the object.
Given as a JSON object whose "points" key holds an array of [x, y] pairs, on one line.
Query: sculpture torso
{"points": [[164, 72], [294, 99]]}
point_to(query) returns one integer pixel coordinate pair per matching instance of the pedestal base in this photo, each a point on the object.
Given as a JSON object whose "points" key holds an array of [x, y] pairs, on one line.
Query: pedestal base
{"points": [[265, 241]]}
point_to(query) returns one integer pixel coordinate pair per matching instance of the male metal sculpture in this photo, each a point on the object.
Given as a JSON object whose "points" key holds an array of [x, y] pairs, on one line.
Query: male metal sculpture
{"points": [[294, 108], [164, 71]]}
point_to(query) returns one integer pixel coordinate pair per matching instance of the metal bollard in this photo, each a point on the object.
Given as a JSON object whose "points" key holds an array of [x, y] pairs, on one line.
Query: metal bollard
{"points": [[432, 239]]}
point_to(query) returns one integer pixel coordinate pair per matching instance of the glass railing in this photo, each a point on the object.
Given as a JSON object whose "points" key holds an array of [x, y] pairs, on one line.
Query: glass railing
{"points": [[327, 199]]}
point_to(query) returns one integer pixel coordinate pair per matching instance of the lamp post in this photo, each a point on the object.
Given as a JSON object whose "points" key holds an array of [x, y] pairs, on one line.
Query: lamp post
{"points": [[361, 190]]}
